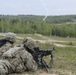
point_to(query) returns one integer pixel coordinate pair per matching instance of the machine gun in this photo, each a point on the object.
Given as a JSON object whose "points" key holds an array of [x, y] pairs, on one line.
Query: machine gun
{"points": [[4, 41], [38, 57]]}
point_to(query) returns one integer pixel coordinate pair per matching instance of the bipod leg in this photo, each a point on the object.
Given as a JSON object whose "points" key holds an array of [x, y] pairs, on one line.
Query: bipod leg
{"points": [[51, 61], [44, 65]]}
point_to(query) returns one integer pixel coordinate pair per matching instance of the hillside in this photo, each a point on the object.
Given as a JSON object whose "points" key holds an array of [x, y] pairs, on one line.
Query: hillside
{"points": [[62, 26]]}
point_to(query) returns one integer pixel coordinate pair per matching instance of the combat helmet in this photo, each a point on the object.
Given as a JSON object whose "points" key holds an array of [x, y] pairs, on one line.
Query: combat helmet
{"points": [[29, 42], [11, 37]]}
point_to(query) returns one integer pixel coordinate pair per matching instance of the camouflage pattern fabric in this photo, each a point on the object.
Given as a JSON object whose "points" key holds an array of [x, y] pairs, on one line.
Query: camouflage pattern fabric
{"points": [[18, 64], [5, 67], [28, 60], [7, 46], [12, 52], [4, 48], [20, 58], [11, 36], [29, 42]]}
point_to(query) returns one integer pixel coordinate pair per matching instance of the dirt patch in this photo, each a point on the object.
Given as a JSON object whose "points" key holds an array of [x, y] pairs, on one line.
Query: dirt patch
{"points": [[47, 74]]}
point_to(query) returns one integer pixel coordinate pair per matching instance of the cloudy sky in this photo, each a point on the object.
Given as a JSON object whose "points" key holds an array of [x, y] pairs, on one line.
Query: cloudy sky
{"points": [[38, 7]]}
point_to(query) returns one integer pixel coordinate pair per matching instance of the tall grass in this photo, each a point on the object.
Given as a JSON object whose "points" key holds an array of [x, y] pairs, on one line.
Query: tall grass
{"points": [[65, 60]]}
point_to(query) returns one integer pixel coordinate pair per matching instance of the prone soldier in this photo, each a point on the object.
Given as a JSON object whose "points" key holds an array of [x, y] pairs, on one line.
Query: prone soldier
{"points": [[38, 54], [7, 42], [18, 59]]}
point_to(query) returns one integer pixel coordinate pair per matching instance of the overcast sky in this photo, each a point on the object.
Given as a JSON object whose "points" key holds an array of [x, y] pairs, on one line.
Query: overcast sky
{"points": [[38, 7]]}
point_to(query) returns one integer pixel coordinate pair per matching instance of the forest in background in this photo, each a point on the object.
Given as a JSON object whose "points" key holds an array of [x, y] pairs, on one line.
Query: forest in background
{"points": [[62, 26]]}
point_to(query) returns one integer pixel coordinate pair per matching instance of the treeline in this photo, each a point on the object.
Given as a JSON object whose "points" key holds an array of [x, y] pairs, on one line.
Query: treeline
{"points": [[65, 30], [61, 19], [53, 25]]}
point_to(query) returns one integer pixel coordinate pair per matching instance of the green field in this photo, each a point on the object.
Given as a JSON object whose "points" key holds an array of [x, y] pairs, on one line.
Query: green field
{"points": [[47, 37]]}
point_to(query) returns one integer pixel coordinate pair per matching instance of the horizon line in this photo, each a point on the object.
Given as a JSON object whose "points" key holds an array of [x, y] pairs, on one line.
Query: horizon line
{"points": [[34, 15]]}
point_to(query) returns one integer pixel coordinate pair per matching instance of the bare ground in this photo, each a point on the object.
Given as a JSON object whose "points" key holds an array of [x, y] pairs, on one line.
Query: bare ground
{"points": [[52, 72]]}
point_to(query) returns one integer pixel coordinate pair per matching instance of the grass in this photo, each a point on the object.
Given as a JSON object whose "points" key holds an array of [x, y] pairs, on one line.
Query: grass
{"points": [[48, 37], [64, 60], [30, 35], [62, 38], [1, 37]]}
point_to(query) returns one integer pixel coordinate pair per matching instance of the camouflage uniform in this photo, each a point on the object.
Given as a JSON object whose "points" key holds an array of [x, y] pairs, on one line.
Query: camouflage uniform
{"points": [[19, 58], [6, 67], [7, 46]]}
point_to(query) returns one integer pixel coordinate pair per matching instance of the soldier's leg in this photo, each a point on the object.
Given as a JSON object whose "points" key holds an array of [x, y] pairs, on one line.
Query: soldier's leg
{"points": [[5, 67], [2, 70]]}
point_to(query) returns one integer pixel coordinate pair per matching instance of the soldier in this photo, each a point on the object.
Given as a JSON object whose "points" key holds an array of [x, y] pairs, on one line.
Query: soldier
{"points": [[18, 59], [11, 39]]}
